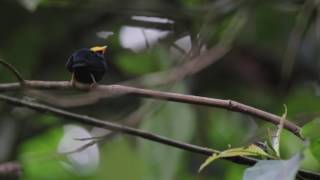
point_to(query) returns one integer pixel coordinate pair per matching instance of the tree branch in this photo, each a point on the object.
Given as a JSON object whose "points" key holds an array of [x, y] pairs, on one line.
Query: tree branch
{"points": [[116, 90], [13, 70], [10, 170], [135, 132], [106, 125]]}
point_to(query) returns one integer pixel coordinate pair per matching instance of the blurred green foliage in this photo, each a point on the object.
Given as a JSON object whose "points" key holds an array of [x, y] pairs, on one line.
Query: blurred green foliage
{"points": [[37, 37], [44, 162], [176, 122], [39, 157], [143, 63]]}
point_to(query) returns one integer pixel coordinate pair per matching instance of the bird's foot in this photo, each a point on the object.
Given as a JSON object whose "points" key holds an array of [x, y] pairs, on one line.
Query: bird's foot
{"points": [[94, 82], [73, 81], [93, 85]]}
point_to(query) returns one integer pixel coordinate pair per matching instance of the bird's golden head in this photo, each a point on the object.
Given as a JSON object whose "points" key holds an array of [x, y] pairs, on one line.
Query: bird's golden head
{"points": [[99, 49]]}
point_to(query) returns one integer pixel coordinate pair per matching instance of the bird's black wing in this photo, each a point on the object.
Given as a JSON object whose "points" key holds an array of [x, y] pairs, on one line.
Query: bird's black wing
{"points": [[97, 64]]}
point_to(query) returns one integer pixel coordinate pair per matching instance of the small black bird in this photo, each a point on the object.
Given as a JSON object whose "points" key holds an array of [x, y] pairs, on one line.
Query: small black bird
{"points": [[87, 65]]}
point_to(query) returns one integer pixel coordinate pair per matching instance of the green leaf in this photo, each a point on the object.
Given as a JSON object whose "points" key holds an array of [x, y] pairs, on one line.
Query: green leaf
{"points": [[252, 150], [315, 148], [311, 130], [43, 162], [274, 169]]}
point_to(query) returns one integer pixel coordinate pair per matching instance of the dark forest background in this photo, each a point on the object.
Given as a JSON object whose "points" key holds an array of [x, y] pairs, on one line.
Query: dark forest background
{"points": [[268, 56]]}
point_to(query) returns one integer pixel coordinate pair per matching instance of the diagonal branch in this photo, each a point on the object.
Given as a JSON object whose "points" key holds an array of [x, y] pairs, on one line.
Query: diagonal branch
{"points": [[135, 132], [103, 91], [106, 125], [13, 70], [10, 170]]}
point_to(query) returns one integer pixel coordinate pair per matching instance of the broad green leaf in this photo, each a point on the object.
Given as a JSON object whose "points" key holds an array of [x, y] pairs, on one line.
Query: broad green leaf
{"points": [[252, 150], [42, 162], [274, 169], [309, 161], [311, 130], [315, 148], [173, 120]]}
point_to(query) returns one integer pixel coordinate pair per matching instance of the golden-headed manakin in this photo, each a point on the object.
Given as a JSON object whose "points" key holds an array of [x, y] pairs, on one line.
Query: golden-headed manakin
{"points": [[87, 65]]}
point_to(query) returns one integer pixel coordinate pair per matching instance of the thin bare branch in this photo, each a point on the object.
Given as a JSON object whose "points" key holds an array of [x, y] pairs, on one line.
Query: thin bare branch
{"points": [[200, 62], [13, 70], [106, 125], [179, 72], [187, 69], [10, 170], [177, 47], [145, 38], [117, 90], [81, 148]]}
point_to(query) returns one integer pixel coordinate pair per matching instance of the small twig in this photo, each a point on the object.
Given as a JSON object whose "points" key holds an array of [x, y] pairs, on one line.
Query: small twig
{"points": [[13, 70], [276, 137], [89, 138], [146, 39], [117, 90], [81, 148], [177, 47], [135, 132]]}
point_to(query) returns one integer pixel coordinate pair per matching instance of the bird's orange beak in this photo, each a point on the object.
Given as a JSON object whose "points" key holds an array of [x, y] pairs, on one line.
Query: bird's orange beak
{"points": [[101, 49]]}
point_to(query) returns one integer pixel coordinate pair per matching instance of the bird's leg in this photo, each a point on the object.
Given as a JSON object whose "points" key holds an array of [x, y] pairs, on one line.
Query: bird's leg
{"points": [[73, 81], [94, 82]]}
